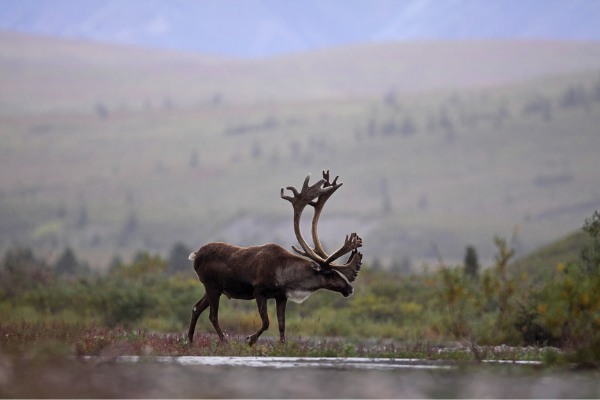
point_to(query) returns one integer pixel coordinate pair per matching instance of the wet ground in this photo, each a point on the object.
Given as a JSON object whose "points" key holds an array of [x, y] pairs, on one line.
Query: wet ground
{"points": [[289, 377]]}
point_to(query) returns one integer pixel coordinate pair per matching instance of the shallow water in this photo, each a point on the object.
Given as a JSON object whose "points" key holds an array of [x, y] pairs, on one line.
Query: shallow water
{"points": [[287, 377], [316, 362]]}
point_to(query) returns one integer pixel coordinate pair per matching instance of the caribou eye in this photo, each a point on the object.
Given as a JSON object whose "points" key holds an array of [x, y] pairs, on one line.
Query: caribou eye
{"points": [[315, 266]]}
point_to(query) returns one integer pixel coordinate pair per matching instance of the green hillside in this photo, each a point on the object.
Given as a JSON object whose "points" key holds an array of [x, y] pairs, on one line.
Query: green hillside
{"points": [[543, 262], [113, 150]]}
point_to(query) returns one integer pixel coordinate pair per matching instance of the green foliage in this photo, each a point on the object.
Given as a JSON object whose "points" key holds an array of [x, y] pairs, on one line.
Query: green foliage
{"points": [[21, 271], [501, 307], [540, 265], [144, 267], [590, 255]]}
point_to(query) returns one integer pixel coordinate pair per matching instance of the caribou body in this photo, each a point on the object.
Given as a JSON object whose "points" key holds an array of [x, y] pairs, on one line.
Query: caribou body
{"points": [[272, 272]]}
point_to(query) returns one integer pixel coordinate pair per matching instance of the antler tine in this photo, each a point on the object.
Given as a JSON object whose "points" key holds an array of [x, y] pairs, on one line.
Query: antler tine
{"points": [[351, 268], [350, 244], [299, 202], [326, 177]]}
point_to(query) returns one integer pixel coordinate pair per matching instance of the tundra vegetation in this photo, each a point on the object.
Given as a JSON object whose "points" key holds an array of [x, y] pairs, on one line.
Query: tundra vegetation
{"points": [[535, 308]]}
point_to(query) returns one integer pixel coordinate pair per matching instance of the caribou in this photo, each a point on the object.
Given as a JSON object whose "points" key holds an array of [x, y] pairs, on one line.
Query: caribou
{"points": [[272, 272]]}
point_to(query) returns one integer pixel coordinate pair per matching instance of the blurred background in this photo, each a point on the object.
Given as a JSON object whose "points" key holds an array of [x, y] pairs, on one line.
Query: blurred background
{"points": [[159, 125]]}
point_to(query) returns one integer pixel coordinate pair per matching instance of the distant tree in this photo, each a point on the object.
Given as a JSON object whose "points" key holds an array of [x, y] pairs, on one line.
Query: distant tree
{"points": [[68, 265], [115, 263], [139, 257], [178, 259], [471, 263], [376, 265], [574, 96], [590, 254], [402, 267], [18, 260], [129, 229], [20, 270]]}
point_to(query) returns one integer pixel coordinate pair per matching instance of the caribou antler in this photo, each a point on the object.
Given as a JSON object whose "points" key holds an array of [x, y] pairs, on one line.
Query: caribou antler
{"points": [[299, 202], [318, 206], [321, 191]]}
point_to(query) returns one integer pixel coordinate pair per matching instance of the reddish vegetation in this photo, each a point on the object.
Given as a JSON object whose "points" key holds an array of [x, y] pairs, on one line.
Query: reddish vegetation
{"points": [[43, 341]]}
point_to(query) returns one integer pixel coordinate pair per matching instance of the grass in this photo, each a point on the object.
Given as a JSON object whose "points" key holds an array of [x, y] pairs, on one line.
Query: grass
{"points": [[43, 340]]}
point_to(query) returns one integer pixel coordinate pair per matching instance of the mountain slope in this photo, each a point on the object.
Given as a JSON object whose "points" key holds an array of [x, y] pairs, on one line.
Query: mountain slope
{"points": [[543, 262], [111, 149], [46, 74]]}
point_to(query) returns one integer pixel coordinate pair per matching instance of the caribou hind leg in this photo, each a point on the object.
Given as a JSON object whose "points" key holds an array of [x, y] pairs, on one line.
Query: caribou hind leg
{"points": [[196, 311], [261, 302]]}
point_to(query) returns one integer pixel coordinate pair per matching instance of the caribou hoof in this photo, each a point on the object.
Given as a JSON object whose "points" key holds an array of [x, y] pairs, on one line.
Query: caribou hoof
{"points": [[252, 339]]}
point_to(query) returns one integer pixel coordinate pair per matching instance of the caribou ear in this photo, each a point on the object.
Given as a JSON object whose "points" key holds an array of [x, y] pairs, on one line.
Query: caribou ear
{"points": [[315, 266]]}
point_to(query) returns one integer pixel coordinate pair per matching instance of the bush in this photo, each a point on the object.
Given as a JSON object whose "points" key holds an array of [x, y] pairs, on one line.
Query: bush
{"points": [[561, 309]]}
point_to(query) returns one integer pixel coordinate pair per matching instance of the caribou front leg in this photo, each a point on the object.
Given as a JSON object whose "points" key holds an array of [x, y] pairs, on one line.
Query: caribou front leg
{"points": [[261, 302], [213, 299], [281, 302]]}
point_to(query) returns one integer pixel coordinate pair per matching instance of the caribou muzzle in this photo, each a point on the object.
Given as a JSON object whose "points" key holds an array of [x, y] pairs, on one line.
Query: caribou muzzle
{"points": [[348, 290]]}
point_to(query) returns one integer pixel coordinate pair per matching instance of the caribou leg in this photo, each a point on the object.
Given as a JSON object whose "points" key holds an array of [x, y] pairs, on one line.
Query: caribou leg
{"points": [[213, 299], [281, 302], [261, 302], [196, 311]]}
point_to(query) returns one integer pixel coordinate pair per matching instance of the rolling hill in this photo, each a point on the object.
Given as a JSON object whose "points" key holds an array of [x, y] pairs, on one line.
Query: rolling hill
{"points": [[111, 149], [42, 74]]}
